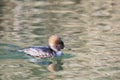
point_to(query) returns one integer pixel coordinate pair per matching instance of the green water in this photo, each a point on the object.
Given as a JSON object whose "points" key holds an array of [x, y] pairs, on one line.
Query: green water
{"points": [[90, 28]]}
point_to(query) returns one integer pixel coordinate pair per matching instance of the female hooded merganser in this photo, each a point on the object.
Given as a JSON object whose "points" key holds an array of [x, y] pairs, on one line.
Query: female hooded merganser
{"points": [[53, 50]]}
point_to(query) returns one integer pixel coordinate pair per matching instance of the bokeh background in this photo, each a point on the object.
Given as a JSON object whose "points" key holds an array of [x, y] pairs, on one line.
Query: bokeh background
{"points": [[91, 28]]}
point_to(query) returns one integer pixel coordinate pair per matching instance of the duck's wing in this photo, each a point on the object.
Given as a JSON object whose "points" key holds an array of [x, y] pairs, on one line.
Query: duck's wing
{"points": [[37, 51]]}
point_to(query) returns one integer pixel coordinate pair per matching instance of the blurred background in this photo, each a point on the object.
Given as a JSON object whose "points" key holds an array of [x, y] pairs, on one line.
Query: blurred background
{"points": [[89, 27]]}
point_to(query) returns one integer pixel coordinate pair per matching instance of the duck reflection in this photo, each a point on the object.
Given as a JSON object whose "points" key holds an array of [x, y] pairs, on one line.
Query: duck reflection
{"points": [[55, 66], [52, 64]]}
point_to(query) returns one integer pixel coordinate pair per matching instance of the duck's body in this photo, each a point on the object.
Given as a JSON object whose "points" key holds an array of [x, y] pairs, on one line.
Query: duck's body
{"points": [[53, 50], [41, 52]]}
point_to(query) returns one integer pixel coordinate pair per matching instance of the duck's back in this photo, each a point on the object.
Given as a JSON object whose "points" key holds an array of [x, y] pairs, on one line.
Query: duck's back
{"points": [[38, 51]]}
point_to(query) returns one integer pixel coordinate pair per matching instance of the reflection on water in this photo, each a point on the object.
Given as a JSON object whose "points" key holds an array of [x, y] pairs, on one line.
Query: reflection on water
{"points": [[90, 28]]}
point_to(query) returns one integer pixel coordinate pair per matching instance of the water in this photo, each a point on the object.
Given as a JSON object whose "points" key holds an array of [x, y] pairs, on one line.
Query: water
{"points": [[89, 27]]}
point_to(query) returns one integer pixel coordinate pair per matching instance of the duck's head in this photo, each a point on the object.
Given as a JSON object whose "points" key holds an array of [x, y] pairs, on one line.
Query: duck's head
{"points": [[55, 43]]}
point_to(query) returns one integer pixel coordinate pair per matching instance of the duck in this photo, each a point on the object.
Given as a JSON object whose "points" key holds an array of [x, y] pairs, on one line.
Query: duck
{"points": [[54, 48]]}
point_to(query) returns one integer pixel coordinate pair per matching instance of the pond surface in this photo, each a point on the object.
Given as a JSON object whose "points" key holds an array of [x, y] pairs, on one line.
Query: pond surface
{"points": [[90, 28]]}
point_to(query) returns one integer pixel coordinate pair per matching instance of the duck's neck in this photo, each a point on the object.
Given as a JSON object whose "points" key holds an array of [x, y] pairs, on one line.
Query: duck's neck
{"points": [[55, 53], [51, 50]]}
